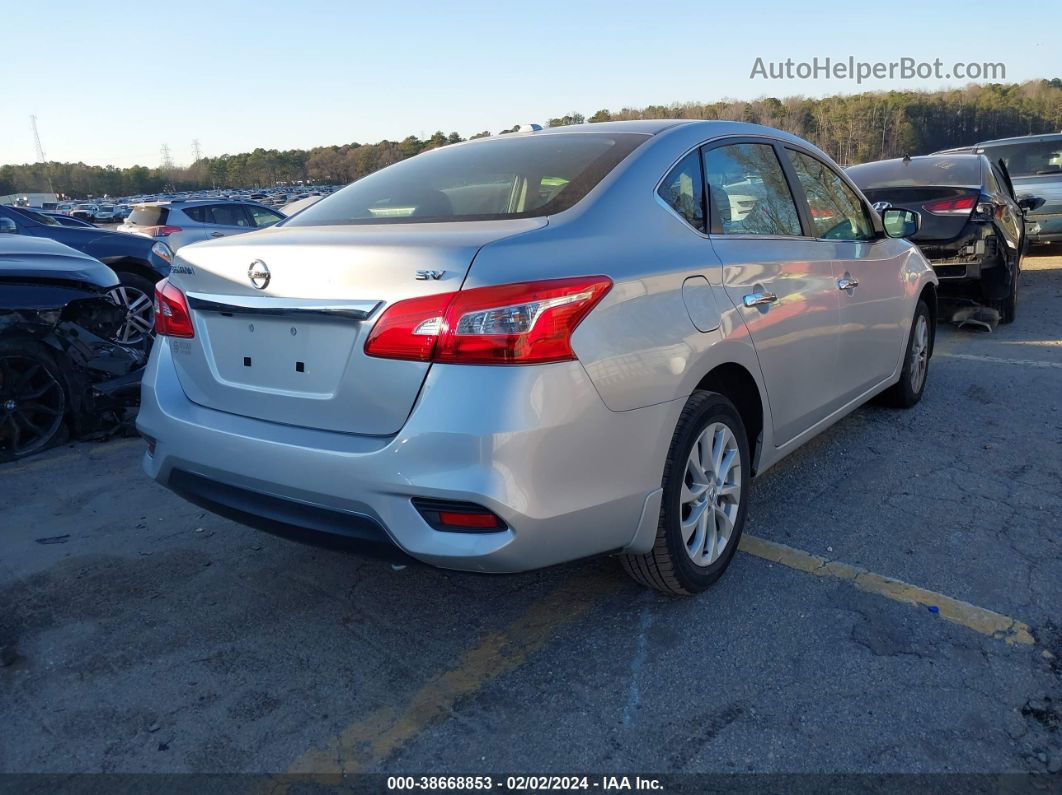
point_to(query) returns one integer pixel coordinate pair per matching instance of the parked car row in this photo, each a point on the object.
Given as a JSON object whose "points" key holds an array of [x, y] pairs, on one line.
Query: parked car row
{"points": [[604, 331], [982, 207]]}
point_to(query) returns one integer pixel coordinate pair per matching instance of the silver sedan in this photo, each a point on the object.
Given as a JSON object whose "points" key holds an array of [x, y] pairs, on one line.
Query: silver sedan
{"points": [[527, 349]]}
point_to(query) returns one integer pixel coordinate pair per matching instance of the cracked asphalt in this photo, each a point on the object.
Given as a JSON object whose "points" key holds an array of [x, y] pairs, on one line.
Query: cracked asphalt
{"points": [[147, 635]]}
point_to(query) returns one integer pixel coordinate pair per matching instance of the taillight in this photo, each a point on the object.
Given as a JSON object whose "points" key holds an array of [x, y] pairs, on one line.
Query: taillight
{"points": [[962, 205], [164, 231], [172, 318], [526, 323]]}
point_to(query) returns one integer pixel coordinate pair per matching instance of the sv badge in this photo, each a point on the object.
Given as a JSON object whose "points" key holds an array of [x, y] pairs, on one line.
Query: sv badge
{"points": [[433, 275]]}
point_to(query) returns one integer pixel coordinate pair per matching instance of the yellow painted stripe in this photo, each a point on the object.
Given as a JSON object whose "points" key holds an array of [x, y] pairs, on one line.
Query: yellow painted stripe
{"points": [[973, 357], [978, 619], [380, 733]]}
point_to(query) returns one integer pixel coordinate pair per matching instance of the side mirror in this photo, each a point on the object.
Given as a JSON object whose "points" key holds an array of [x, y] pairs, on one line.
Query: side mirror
{"points": [[900, 223], [7, 226], [1030, 203]]}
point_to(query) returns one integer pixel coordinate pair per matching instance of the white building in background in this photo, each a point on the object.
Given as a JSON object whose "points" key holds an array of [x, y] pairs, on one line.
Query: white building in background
{"points": [[45, 201]]}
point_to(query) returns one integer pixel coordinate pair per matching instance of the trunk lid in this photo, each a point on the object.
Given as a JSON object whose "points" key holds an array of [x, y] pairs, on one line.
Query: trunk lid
{"points": [[292, 351], [936, 228]]}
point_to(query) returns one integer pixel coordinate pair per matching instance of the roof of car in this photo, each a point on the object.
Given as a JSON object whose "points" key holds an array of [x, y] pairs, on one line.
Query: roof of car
{"points": [[1022, 139], [168, 202]]}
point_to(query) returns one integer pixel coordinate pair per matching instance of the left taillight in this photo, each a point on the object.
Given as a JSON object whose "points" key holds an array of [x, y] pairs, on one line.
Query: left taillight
{"points": [[524, 323], [172, 317]]}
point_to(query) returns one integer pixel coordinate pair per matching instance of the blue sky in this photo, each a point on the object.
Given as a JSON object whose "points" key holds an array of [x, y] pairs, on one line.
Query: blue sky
{"points": [[111, 82]]}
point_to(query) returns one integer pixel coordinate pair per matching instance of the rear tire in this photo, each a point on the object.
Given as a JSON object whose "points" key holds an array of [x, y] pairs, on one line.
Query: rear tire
{"points": [[1007, 307], [33, 399], [706, 480], [906, 392]]}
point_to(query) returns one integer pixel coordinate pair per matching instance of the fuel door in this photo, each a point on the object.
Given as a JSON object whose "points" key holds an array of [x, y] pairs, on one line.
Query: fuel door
{"points": [[700, 303]]}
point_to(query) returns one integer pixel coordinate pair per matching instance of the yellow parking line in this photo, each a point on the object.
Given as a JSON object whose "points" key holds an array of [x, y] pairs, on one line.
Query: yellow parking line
{"points": [[378, 734], [978, 619], [973, 357]]}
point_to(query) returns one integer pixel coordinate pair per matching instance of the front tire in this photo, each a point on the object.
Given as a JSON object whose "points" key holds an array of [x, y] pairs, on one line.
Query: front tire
{"points": [[136, 296], [906, 392], [704, 502], [33, 399]]}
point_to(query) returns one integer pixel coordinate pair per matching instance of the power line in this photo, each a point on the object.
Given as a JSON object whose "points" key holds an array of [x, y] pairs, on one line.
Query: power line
{"points": [[167, 161], [197, 153]]}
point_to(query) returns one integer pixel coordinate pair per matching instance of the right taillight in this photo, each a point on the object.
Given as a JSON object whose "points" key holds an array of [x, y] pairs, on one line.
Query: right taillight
{"points": [[962, 205], [525, 323], [164, 231], [172, 317]]}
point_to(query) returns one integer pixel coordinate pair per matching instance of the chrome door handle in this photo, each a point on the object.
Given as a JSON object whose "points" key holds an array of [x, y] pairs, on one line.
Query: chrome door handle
{"points": [[217, 234], [847, 283], [759, 299]]}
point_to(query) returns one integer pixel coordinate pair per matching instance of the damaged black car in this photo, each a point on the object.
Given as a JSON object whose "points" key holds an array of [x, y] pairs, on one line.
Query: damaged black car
{"points": [[973, 229], [61, 372]]}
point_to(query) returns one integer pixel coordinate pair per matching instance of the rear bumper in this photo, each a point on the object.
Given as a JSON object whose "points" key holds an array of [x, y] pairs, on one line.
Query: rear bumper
{"points": [[535, 445]]}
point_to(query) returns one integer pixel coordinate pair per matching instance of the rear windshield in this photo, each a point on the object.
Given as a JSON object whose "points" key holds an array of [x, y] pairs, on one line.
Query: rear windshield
{"points": [[520, 177], [1029, 159], [148, 215], [958, 171]]}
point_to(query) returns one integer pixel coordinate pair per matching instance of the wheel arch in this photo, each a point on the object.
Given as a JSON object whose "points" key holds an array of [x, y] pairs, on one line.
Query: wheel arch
{"points": [[134, 266], [737, 384], [929, 295]]}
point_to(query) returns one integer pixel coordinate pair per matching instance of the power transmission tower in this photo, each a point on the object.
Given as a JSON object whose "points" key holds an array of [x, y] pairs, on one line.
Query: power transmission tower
{"points": [[197, 153], [167, 161], [40, 152], [37, 140]]}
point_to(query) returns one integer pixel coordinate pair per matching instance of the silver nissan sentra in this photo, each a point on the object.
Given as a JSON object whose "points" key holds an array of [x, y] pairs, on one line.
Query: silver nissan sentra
{"points": [[537, 347]]}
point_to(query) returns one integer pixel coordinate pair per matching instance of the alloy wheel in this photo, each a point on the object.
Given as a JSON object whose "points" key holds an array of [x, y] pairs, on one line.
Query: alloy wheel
{"points": [[919, 353], [711, 494], [139, 317], [32, 404]]}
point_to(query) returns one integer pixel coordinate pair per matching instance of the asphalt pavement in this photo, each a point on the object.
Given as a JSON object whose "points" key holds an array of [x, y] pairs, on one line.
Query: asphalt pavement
{"points": [[925, 634]]}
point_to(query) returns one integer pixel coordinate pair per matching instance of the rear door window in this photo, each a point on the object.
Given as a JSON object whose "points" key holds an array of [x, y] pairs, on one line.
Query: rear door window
{"points": [[229, 215], [748, 193], [198, 214]]}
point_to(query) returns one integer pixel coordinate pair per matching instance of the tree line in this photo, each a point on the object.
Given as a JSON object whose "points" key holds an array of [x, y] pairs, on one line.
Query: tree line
{"points": [[852, 128]]}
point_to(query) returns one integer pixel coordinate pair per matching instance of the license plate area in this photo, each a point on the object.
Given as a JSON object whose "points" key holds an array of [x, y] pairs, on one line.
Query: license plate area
{"points": [[296, 355]]}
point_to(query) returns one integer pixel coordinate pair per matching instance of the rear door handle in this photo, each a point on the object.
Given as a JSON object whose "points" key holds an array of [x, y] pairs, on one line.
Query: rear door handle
{"points": [[847, 283], [217, 234], [759, 299]]}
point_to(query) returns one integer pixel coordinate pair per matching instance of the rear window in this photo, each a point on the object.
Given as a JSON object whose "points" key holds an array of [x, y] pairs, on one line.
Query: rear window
{"points": [[148, 215], [1034, 158], [519, 177], [959, 171]]}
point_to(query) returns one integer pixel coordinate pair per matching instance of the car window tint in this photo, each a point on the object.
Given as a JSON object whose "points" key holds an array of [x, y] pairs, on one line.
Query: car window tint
{"points": [[683, 190], [519, 176], [198, 214], [228, 215], [748, 193], [836, 211], [263, 217]]}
